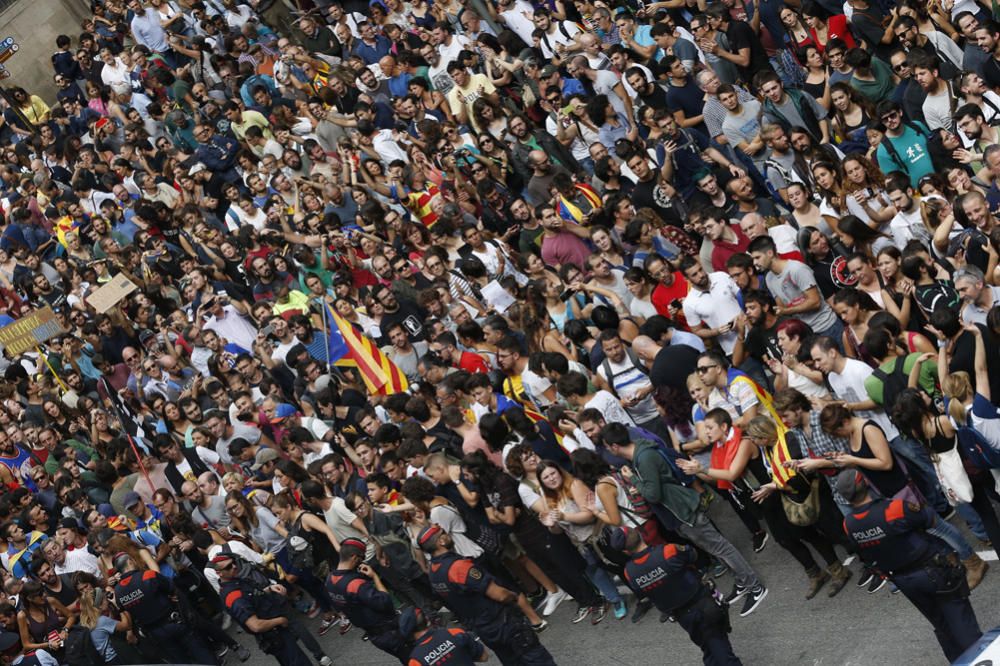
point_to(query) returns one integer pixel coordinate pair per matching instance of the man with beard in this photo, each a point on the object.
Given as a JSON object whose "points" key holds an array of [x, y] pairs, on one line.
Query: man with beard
{"points": [[399, 310], [268, 279], [937, 106], [934, 44], [15, 461], [760, 340], [681, 157], [650, 93], [527, 142], [561, 244], [977, 133], [742, 192], [904, 146], [908, 223], [543, 173]]}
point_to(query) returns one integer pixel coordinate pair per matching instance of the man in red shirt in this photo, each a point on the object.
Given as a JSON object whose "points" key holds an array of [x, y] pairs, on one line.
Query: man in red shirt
{"points": [[727, 239], [446, 346], [671, 288]]}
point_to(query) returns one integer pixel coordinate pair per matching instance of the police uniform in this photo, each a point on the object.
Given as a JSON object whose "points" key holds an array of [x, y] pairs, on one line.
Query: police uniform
{"points": [[367, 607], [462, 586], [244, 598], [146, 595], [666, 575], [891, 538], [453, 647]]}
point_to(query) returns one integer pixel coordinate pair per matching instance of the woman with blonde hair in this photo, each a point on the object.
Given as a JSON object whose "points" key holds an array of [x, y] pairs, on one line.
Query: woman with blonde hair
{"points": [[95, 609]]}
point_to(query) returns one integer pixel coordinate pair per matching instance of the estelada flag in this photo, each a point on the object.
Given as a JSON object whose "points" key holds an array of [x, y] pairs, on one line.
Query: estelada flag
{"points": [[381, 375]]}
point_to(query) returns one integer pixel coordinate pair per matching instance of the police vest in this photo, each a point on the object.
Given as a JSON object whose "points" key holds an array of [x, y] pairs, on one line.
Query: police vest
{"points": [[890, 534], [453, 647], [462, 586], [144, 594], [664, 574], [356, 596]]}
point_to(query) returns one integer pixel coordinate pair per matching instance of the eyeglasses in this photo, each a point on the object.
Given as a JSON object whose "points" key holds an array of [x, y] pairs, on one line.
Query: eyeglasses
{"points": [[891, 114], [900, 67], [702, 369]]}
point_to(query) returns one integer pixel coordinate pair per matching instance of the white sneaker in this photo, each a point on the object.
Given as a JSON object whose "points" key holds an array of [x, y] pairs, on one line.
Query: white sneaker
{"points": [[552, 601], [326, 661], [227, 621]]}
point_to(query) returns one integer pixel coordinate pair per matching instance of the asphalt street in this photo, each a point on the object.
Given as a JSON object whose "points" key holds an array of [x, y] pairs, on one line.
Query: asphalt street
{"points": [[852, 629]]}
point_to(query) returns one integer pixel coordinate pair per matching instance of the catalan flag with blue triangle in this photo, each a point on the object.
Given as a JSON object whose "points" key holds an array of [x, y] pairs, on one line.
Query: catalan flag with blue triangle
{"points": [[349, 347], [585, 200]]}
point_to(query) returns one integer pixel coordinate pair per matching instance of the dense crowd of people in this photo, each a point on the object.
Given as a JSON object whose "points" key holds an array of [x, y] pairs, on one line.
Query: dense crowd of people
{"points": [[450, 312]]}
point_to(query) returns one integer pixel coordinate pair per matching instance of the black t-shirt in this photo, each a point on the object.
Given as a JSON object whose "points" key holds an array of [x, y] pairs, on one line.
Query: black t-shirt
{"points": [[656, 98], [741, 36], [672, 366], [763, 342], [964, 354], [410, 315], [991, 72], [651, 195]]}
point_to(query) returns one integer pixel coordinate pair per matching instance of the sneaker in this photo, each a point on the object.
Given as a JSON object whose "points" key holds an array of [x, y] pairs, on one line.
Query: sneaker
{"points": [[325, 661], [893, 589], [641, 608], [878, 582], [553, 600], [581, 614], [759, 541], [536, 598], [345, 626], [666, 617], [221, 651], [599, 612], [227, 621], [540, 627], [242, 653], [866, 577], [313, 611], [738, 591], [720, 569], [753, 600], [328, 624], [621, 610]]}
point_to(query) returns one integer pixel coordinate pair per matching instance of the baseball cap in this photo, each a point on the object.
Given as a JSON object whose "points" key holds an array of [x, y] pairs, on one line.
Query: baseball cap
{"points": [[283, 411], [616, 538], [850, 485], [8, 639], [548, 71], [131, 499], [263, 456], [197, 168], [428, 537], [221, 561]]}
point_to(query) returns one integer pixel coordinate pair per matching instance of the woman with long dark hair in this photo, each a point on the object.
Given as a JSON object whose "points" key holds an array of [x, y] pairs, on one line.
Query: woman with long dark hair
{"points": [[855, 308]]}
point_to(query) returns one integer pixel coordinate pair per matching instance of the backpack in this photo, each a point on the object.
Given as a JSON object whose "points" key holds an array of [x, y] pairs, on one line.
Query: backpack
{"points": [[893, 383], [891, 149], [300, 548], [610, 376], [671, 456], [974, 448], [80, 649]]}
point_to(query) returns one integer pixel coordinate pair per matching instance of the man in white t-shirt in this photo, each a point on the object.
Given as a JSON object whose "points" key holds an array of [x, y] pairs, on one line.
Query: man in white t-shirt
{"points": [[468, 88], [712, 304], [560, 37], [574, 387], [908, 223]]}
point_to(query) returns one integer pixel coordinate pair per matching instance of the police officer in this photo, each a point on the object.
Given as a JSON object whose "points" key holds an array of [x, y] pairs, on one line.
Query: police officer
{"points": [[259, 605], [148, 597], [667, 575], [892, 539], [481, 603], [358, 592], [434, 647]]}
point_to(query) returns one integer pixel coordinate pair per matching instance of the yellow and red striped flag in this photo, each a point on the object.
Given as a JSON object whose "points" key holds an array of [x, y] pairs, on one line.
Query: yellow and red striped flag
{"points": [[381, 375]]}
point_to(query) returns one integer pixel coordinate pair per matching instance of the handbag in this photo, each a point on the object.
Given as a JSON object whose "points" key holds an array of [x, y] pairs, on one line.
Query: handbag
{"points": [[805, 513], [954, 480]]}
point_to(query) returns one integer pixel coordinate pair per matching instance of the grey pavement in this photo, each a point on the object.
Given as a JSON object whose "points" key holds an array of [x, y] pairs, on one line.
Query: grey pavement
{"points": [[852, 629]]}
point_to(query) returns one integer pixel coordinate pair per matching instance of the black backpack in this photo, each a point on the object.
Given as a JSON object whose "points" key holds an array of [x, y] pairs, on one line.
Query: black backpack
{"points": [[300, 548], [893, 383], [80, 648]]}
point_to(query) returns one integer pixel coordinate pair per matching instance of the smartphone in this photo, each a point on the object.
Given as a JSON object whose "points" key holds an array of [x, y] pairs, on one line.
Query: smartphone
{"points": [[267, 330]]}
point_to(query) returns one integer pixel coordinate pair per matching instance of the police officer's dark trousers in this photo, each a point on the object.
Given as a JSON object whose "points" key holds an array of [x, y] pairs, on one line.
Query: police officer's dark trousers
{"points": [[951, 614], [708, 626], [179, 644], [388, 639], [513, 640], [281, 644]]}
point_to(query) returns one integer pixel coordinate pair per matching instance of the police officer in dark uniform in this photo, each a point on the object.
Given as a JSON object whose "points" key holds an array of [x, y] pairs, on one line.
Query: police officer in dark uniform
{"points": [[482, 605], [892, 539], [148, 597], [436, 647], [259, 605], [11, 652], [667, 575], [358, 592]]}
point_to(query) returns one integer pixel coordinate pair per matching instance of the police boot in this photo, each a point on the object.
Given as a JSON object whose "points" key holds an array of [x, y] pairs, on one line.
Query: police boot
{"points": [[817, 579], [839, 575], [975, 569]]}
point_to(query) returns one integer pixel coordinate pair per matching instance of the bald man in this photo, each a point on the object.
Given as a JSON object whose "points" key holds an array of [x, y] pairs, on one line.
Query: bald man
{"points": [[668, 365]]}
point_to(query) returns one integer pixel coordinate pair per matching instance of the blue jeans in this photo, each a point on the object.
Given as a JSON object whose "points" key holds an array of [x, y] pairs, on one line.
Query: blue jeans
{"points": [[599, 577], [972, 519], [835, 332]]}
